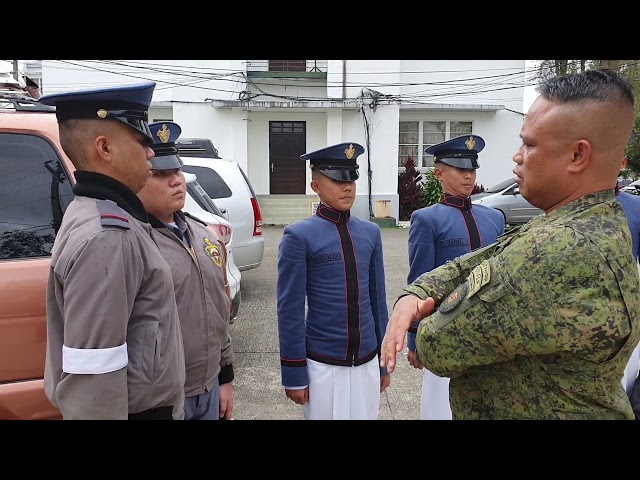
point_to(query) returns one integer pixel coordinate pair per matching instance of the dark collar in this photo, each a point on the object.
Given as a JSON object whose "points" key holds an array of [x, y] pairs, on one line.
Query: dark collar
{"points": [[102, 187], [617, 188], [329, 213], [463, 203], [178, 217]]}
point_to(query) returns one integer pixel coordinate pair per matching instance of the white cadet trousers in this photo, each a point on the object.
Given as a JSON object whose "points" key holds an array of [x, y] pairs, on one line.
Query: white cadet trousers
{"points": [[435, 397], [343, 393]]}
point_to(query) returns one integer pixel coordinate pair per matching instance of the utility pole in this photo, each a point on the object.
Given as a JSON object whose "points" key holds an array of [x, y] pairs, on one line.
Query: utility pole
{"points": [[15, 69]]}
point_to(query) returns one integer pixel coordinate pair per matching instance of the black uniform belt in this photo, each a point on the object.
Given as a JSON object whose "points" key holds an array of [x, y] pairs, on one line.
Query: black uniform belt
{"points": [[342, 362], [158, 413]]}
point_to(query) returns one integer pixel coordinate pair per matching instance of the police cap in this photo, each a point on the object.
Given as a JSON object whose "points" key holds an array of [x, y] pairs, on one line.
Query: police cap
{"points": [[128, 104], [164, 146], [459, 152], [337, 161]]}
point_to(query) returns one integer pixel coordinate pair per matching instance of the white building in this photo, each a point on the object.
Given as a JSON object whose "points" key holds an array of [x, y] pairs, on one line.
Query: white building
{"points": [[266, 113]]}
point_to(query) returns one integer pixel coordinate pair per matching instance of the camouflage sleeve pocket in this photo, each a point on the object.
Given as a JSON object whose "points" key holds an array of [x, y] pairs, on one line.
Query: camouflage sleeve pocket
{"points": [[494, 291]]}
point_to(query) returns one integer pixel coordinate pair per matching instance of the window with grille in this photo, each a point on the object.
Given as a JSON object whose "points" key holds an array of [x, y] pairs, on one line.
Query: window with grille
{"points": [[416, 136], [287, 65]]}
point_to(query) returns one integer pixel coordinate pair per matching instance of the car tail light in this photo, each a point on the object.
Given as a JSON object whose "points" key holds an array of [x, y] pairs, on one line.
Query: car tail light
{"points": [[257, 217], [222, 232]]}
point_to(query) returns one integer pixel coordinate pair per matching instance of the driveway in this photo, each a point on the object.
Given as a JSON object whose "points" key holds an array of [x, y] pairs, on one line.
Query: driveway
{"points": [[258, 394]]}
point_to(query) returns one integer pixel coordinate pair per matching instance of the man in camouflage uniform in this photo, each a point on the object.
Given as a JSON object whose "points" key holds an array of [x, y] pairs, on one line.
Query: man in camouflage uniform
{"points": [[541, 324]]}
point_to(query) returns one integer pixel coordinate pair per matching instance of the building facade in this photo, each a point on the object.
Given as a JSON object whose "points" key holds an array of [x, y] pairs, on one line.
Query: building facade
{"points": [[266, 113]]}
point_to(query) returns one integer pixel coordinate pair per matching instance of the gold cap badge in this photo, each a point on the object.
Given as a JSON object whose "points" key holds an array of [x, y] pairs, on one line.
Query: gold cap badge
{"points": [[350, 152], [471, 143], [164, 134], [102, 113]]}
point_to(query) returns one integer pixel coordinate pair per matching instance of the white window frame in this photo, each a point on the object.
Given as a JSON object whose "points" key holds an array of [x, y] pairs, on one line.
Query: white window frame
{"points": [[424, 162]]}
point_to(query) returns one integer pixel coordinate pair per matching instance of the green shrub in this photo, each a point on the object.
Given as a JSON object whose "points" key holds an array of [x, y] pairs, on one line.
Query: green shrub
{"points": [[432, 188]]}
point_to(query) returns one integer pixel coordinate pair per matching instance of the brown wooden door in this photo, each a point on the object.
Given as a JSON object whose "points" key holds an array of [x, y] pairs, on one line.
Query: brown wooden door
{"points": [[287, 173]]}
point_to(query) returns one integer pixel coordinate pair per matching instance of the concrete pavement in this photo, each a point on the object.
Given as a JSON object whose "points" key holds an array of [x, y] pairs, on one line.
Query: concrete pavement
{"points": [[258, 394]]}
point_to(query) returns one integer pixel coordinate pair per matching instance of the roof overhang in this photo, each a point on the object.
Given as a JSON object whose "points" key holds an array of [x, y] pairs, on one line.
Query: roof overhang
{"points": [[353, 104], [252, 105], [472, 107]]}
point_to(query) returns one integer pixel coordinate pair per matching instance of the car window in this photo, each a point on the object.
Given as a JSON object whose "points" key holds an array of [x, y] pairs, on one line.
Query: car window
{"points": [[246, 179], [202, 199], [500, 186], [34, 193], [209, 179]]}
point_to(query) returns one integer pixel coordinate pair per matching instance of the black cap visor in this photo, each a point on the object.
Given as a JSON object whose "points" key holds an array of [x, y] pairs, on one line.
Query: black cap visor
{"points": [[341, 174], [130, 114], [460, 162], [166, 162]]}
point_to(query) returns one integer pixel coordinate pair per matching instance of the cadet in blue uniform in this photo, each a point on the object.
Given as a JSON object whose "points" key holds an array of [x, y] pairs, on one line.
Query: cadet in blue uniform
{"points": [[114, 344], [333, 262], [442, 232]]}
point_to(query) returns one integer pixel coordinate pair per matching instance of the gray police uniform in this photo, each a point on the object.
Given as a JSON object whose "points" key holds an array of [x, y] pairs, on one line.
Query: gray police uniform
{"points": [[203, 305], [197, 261], [114, 345], [541, 324]]}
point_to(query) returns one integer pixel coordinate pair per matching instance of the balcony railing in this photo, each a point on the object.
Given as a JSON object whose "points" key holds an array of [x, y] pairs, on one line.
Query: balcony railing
{"points": [[304, 69]]}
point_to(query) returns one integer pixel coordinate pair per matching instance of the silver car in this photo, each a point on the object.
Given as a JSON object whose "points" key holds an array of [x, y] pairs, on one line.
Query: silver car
{"points": [[506, 197], [228, 186]]}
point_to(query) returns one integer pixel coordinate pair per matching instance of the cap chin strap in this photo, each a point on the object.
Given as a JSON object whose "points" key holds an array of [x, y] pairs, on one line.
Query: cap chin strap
{"points": [[336, 167]]}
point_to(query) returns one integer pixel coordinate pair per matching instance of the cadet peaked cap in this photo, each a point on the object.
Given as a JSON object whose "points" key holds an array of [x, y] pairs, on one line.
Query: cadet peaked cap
{"points": [[164, 146], [337, 161], [126, 103], [459, 152]]}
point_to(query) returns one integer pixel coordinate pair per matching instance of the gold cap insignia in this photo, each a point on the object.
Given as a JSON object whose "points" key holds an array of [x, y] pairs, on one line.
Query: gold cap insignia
{"points": [[164, 134], [471, 143], [350, 152], [102, 113]]}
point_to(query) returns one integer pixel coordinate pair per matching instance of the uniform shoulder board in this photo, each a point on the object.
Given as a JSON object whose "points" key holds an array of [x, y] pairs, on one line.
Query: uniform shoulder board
{"points": [[193, 217], [111, 215]]}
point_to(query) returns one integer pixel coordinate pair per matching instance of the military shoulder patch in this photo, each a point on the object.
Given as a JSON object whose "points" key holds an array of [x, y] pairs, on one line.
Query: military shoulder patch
{"points": [[111, 215], [454, 299], [479, 277]]}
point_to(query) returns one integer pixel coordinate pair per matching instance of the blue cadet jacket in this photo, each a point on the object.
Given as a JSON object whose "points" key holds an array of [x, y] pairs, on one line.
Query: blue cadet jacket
{"points": [[444, 231], [334, 262], [631, 206]]}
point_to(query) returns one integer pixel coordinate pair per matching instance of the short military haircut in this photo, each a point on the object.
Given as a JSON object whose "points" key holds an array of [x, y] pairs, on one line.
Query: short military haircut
{"points": [[598, 85]]}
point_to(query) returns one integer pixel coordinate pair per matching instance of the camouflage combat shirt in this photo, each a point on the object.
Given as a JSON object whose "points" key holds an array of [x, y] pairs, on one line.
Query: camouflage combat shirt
{"points": [[541, 324]]}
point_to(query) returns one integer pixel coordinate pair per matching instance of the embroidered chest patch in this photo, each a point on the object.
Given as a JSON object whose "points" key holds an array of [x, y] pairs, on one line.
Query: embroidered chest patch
{"points": [[454, 242], [213, 251], [454, 299]]}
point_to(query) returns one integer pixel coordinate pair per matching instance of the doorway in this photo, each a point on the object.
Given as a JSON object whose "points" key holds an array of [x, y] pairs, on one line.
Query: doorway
{"points": [[287, 142]]}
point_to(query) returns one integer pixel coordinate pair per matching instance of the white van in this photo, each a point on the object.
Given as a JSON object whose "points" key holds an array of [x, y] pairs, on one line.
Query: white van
{"points": [[228, 186]]}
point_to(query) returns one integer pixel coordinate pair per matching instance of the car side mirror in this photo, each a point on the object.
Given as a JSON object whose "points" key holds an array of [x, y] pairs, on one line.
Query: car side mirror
{"points": [[516, 191], [224, 213]]}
